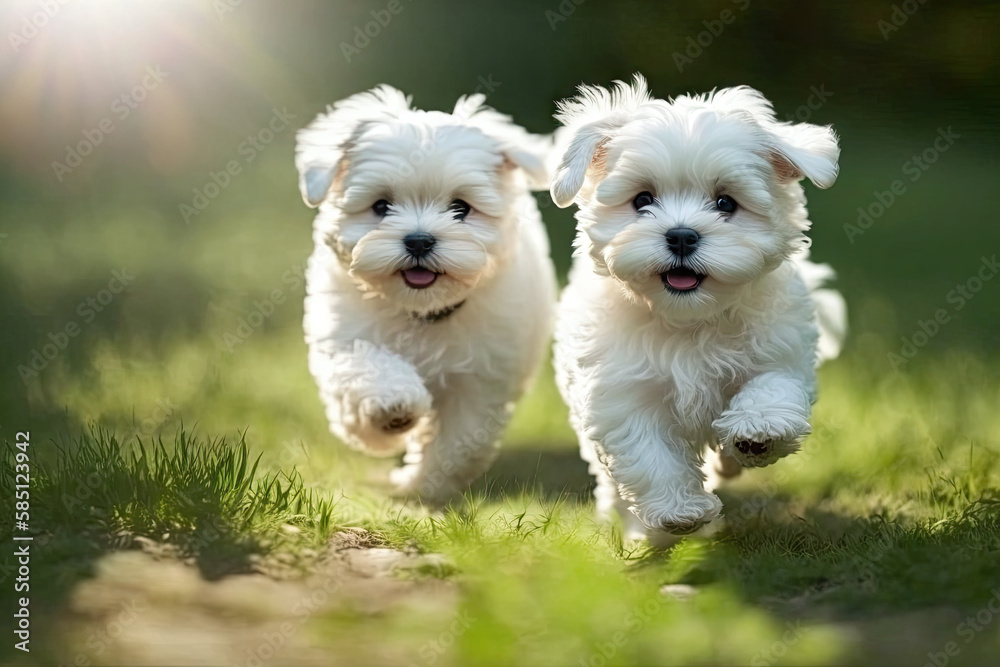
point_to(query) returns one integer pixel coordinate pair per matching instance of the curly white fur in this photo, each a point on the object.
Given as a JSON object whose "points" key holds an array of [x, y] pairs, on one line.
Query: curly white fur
{"points": [[652, 375], [393, 372]]}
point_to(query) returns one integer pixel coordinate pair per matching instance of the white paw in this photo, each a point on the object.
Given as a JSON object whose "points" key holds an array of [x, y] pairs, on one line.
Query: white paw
{"points": [[396, 411], [757, 439], [405, 479], [434, 490], [662, 540], [682, 514]]}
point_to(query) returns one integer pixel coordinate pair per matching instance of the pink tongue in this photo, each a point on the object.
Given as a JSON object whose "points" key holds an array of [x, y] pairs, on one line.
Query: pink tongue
{"points": [[682, 281], [419, 277]]}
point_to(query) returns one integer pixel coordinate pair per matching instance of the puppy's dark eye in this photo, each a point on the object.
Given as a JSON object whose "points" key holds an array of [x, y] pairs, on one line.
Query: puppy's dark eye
{"points": [[726, 204], [642, 200], [460, 208], [381, 207]]}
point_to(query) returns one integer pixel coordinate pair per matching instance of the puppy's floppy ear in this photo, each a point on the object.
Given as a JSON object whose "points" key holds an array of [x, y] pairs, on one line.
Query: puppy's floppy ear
{"points": [[520, 148], [796, 150], [801, 150], [528, 155], [592, 118], [321, 147], [579, 157], [315, 182]]}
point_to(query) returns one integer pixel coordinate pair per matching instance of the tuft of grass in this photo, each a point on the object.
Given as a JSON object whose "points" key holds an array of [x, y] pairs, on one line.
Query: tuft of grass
{"points": [[203, 497]]}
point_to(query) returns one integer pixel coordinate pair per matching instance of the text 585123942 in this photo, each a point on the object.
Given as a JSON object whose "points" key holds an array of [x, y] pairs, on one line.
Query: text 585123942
{"points": [[22, 541]]}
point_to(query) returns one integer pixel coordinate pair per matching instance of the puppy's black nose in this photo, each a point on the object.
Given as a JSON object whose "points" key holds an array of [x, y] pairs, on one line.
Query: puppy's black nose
{"points": [[419, 243], [682, 241]]}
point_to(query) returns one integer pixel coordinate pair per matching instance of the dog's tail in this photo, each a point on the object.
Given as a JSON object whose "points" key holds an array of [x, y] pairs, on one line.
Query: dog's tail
{"points": [[831, 309]]}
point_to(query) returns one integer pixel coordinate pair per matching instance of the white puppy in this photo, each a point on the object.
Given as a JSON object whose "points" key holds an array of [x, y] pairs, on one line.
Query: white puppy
{"points": [[690, 316], [430, 292]]}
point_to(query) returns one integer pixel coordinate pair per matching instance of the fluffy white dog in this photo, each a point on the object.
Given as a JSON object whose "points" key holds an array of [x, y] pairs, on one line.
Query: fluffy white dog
{"points": [[430, 292], [690, 319]]}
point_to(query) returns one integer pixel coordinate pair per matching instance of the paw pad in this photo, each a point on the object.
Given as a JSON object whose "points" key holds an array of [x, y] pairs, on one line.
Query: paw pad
{"points": [[397, 424], [748, 447], [682, 529]]}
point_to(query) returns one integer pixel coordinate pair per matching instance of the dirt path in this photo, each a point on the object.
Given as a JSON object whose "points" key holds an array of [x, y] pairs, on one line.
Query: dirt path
{"points": [[148, 609]]}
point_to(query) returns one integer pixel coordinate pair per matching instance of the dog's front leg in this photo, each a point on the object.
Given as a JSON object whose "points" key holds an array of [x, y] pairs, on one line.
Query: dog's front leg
{"points": [[374, 398], [766, 419], [657, 473], [469, 426]]}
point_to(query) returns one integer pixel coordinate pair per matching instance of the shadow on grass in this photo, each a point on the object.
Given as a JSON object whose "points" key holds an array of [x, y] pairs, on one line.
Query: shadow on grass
{"points": [[540, 471], [54, 336], [19, 336], [898, 587], [810, 562], [805, 559]]}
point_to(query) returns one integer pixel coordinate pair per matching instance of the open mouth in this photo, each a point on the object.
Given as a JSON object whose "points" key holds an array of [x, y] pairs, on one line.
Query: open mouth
{"points": [[419, 277], [681, 279]]}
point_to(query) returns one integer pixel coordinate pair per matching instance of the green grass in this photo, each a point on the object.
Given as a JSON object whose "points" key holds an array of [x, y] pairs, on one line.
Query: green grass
{"points": [[204, 498], [874, 542], [892, 510]]}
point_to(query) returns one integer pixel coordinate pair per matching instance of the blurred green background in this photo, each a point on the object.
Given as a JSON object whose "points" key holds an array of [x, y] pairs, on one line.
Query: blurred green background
{"points": [[226, 67]]}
